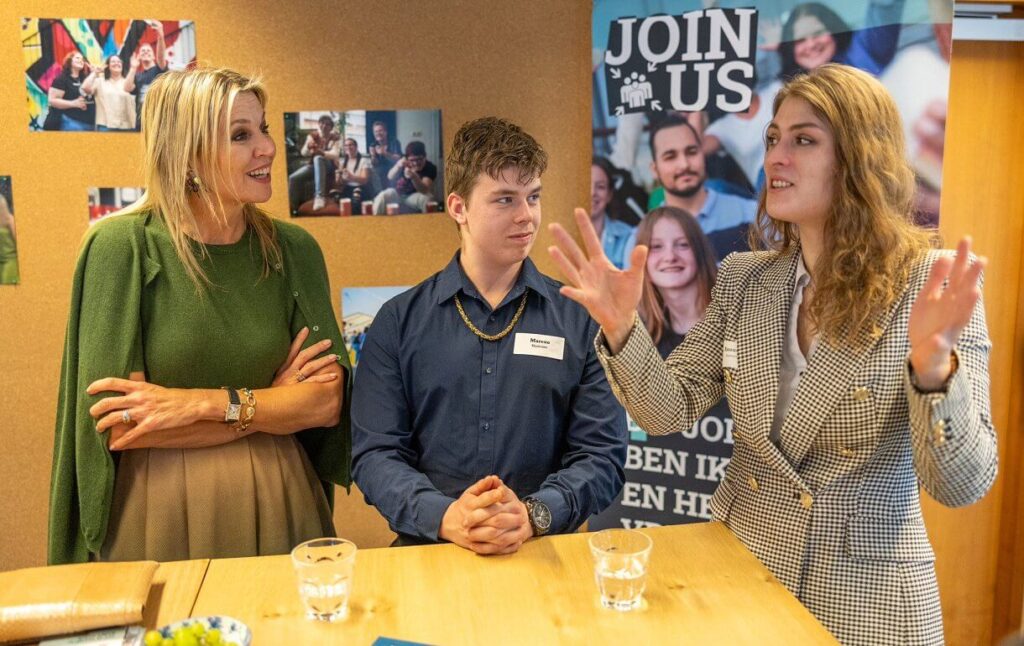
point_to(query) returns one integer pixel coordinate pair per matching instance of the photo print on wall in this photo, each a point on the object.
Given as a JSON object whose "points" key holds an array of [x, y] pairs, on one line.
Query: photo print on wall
{"points": [[106, 200], [364, 162], [359, 306], [93, 75], [8, 235]]}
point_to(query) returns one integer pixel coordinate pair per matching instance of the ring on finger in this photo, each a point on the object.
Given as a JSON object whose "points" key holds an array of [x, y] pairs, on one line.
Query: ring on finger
{"points": [[299, 376], [126, 416]]}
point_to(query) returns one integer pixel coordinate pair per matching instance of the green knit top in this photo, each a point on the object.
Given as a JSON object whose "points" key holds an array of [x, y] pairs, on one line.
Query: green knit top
{"points": [[134, 308]]}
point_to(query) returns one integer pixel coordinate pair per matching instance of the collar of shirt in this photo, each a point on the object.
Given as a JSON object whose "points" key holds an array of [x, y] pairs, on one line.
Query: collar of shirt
{"points": [[709, 204], [452, 279], [802, 276]]}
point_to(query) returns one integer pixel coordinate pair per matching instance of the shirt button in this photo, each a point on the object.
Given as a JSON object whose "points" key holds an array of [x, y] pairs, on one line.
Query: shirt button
{"points": [[806, 500], [491, 319], [847, 452], [728, 376], [752, 481], [488, 370], [487, 426], [295, 293], [860, 393]]}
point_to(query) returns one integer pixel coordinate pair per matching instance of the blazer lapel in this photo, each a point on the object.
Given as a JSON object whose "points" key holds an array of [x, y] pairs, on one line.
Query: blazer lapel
{"points": [[829, 376], [772, 305]]}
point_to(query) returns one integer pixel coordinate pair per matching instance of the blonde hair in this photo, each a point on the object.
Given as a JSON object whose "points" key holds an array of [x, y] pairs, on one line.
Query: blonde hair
{"points": [[870, 239], [652, 305], [185, 129]]}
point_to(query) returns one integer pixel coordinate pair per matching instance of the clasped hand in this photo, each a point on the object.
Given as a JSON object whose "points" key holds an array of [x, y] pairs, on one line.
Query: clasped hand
{"points": [[143, 407], [488, 518]]}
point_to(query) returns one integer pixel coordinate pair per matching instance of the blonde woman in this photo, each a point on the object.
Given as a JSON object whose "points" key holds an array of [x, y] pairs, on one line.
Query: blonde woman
{"points": [[190, 424], [853, 374], [112, 89]]}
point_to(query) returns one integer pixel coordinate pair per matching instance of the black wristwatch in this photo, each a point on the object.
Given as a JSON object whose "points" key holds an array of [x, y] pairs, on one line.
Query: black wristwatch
{"points": [[234, 407], [539, 514]]}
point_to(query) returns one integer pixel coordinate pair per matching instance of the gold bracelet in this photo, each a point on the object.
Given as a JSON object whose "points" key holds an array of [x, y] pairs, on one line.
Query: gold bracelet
{"points": [[248, 411]]}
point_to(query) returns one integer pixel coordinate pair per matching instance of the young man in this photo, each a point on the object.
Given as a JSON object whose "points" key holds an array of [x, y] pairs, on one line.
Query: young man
{"points": [[151, 65], [678, 164], [481, 415], [412, 182]]}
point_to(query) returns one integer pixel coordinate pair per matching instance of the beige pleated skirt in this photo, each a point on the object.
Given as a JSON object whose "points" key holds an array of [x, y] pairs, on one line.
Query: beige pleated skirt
{"points": [[257, 495]]}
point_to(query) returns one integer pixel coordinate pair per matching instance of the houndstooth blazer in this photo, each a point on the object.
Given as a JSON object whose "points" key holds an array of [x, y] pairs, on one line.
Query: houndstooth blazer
{"points": [[833, 509]]}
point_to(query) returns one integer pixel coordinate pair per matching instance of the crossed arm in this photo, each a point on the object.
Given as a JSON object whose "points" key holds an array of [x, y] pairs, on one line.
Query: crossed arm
{"points": [[306, 393]]}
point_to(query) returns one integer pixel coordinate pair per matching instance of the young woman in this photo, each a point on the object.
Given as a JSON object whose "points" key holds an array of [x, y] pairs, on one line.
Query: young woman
{"points": [[115, 103], [189, 423], [617, 237], [71, 108], [855, 373], [679, 277]]}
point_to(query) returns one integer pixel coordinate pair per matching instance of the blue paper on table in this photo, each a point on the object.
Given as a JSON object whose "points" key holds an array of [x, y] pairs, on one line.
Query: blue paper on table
{"points": [[389, 641]]}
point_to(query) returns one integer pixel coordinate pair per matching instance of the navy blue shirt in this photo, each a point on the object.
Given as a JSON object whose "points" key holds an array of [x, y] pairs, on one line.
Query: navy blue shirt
{"points": [[435, 408]]}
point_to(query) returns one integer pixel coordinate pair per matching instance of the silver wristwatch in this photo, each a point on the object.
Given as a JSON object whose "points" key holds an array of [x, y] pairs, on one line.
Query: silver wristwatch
{"points": [[234, 407], [539, 515]]}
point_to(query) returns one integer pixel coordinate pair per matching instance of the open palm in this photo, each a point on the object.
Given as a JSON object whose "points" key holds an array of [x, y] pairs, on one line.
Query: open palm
{"points": [[942, 310], [610, 295]]}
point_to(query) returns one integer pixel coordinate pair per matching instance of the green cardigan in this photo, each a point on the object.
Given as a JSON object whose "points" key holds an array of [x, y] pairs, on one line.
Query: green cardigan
{"points": [[115, 265]]}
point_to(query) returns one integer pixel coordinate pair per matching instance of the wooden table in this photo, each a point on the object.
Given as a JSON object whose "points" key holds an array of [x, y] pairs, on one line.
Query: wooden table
{"points": [[173, 592], [704, 587]]}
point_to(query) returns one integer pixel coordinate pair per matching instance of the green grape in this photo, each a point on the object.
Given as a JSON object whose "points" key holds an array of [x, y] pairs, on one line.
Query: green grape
{"points": [[198, 629], [184, 637], [213, 637], [153, 638]]}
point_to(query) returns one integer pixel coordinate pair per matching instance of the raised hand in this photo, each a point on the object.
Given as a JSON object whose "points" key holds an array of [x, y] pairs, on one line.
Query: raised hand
{"points": [[610, 295], [940, 314], [302, 366]]}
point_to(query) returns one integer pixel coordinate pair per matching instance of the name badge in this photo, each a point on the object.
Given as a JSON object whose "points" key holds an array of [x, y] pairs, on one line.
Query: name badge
{"points": [[539, 345], [729, 355]]}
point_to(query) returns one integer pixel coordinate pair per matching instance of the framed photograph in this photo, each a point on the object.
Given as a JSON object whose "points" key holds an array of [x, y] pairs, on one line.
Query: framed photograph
{"points": [[364, 162], [104, 201], [8, 235], [359, 306], [93, 75]]}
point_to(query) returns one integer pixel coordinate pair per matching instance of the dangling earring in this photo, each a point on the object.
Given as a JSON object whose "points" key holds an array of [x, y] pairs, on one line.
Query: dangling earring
{"points": [[192, 183]]}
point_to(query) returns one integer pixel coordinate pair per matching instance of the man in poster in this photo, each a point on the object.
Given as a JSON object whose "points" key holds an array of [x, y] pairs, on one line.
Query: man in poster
{"points": [[481, 415], [678, 164]]}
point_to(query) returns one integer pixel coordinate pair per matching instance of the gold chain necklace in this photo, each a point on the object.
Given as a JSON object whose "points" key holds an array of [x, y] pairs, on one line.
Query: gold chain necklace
{"points": [[491, 337]]}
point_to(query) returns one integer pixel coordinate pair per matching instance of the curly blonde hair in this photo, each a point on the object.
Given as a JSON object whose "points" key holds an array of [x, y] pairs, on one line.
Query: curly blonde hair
{"points": [[871, 242]]}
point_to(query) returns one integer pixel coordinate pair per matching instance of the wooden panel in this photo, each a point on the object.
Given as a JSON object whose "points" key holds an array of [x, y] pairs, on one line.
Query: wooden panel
{"points": [[983, 196], [704, 587]]}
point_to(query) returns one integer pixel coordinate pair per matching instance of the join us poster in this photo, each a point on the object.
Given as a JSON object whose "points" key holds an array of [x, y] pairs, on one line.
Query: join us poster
{"points": [[682, 94]]}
